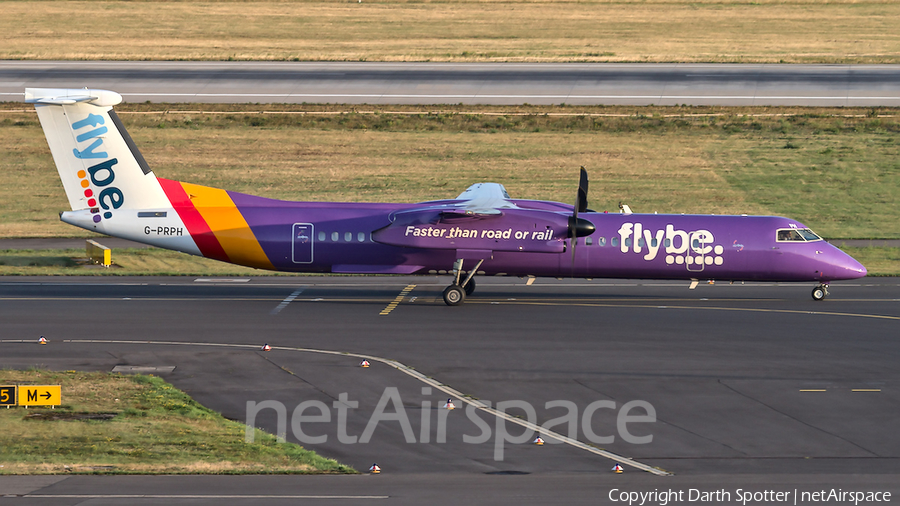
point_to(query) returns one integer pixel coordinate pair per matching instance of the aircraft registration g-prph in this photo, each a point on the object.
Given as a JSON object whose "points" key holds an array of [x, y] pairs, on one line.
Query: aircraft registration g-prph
{"points": [[112, 190]]}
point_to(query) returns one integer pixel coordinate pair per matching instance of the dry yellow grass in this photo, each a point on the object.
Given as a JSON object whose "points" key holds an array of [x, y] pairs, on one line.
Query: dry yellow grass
{"points": [[480, 30], [375, 166], [835, 170]]}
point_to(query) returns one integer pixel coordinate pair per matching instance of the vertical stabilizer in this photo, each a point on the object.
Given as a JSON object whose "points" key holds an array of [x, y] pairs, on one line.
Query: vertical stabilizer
{"points": [[110, 187], [100, 167]]}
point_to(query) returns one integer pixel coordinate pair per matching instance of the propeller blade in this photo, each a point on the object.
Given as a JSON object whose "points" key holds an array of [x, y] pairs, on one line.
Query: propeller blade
{"points": [[579, 227], [581, 202]]}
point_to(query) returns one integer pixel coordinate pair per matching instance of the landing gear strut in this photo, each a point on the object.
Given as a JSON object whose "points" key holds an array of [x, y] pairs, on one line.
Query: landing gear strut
{"points": [[820, 292], [456, 293]]}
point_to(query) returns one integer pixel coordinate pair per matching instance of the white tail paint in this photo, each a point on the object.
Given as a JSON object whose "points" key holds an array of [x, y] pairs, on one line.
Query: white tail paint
{"points": [[110, 187]]}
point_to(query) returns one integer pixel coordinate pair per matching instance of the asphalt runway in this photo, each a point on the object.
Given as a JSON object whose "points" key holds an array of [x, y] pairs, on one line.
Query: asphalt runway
{"points": [[754, 387], [466, 83]]}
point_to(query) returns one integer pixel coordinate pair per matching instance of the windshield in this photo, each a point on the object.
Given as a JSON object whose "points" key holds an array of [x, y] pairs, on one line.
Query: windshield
{"points": [[796, 235]]}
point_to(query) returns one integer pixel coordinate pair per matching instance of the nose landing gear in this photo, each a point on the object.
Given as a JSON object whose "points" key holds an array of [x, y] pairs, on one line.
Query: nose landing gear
{"points": [[456, 293], [820, 291]]}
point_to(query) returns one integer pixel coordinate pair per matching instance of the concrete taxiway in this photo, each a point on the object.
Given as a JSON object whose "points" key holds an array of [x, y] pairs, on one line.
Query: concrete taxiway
{"points": [[466, 83], [753, 387]]}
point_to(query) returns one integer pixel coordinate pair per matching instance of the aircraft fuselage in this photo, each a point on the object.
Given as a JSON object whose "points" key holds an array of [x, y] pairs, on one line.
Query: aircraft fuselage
{"points": [[351, 238]]}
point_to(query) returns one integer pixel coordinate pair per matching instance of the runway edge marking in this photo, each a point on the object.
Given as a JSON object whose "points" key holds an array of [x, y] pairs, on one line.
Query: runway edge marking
{"points": [[424, 379]]}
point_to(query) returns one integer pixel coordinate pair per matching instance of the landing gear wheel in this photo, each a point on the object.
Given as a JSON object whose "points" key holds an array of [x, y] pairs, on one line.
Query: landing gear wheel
{"points": [[820, 292], [470, 287], [454, 295]]}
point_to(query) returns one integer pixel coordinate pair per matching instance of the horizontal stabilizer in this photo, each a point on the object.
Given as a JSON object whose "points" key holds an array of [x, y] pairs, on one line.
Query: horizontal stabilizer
{"points": [[55, 96]]}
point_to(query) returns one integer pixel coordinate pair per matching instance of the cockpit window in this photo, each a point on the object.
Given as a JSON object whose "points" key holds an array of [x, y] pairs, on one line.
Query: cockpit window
{"points": [[808, 234], [797, 235]]}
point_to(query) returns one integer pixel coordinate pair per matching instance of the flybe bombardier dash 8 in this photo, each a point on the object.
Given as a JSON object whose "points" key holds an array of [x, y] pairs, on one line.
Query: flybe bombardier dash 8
{"points": [[483, 231]]}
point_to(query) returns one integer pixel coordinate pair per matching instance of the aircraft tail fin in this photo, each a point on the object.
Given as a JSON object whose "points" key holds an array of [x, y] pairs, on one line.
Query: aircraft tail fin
{"points": [[112, 190], [101, 168]]}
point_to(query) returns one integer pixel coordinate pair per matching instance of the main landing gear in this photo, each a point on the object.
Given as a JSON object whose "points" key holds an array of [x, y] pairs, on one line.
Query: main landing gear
{"points": [[456, 293], [820, 292]]}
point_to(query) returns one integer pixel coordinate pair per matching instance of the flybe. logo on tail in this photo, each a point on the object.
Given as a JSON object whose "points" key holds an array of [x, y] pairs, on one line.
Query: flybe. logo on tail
{"points": [[100, 175]]}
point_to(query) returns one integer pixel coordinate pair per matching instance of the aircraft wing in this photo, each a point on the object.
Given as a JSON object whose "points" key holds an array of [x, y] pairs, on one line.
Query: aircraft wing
{"points": [[484, 198]]}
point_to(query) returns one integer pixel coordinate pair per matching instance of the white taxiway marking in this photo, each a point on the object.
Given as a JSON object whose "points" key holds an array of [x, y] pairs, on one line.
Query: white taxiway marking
{"points": [[452, 392], [222, 280], [290, 298]]}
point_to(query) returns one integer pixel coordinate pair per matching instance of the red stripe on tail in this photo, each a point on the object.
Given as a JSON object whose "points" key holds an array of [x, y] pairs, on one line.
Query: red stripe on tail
{"points": [[204, 238]]}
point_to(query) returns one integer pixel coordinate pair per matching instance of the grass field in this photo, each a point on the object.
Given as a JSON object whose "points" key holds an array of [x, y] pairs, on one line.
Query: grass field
{"points": [[126, 262], [834, 170], [770, 31], [156, 429]]}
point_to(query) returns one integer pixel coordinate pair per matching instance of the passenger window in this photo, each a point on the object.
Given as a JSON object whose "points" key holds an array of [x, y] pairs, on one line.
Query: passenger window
{"points": [[640, 243], [654, 243], [348, 236], [361, 237], [335, 237], [588, 241], [321, 236], [628, 242], [667, 243], [601, 241], [614, 241]]}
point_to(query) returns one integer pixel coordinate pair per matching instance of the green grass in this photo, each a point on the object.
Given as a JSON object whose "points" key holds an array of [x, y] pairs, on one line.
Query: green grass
{"points": [[157, 429], [879, 261], [126, 262], [836, 170]]}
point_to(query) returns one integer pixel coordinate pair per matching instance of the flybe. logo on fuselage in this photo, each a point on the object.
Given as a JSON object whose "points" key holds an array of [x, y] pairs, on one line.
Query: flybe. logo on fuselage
{"points": [[681, 247], [100, 175]]}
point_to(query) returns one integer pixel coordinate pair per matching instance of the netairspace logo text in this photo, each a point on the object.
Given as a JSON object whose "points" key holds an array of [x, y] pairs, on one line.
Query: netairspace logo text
{"points": [[745, 497]]}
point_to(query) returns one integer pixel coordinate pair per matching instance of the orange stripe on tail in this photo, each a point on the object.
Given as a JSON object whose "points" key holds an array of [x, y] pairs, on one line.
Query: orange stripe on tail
{"points": [[228, 225]]}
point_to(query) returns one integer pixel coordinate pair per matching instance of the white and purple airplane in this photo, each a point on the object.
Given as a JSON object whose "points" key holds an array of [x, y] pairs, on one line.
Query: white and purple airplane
{"points": [[113, 191]]}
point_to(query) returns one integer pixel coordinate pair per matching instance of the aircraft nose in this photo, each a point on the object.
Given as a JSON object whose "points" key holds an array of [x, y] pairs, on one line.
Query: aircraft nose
{"points": [[854, 268], [843, 266]]}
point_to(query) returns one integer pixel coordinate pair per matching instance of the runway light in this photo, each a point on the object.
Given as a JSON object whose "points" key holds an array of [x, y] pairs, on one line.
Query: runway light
{"points": [[449, 404], [538, 441], [375, 469], [42, 340], [266, 347], [364, 363], [618, 469]]}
